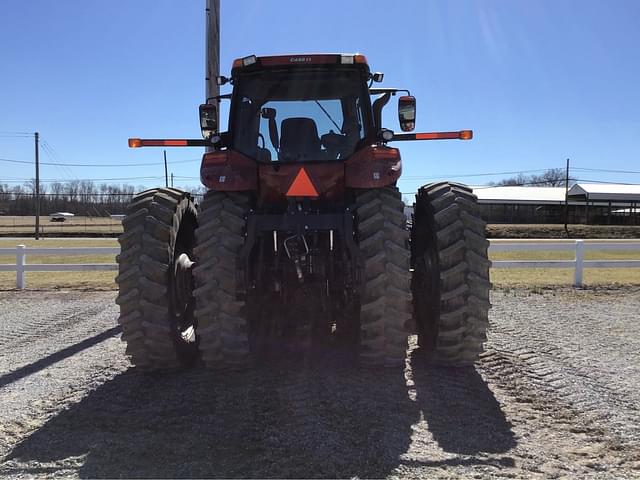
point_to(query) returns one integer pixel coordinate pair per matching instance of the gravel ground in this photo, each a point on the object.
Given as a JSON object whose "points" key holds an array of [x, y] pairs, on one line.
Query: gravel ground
{"points": [[555, 395]]}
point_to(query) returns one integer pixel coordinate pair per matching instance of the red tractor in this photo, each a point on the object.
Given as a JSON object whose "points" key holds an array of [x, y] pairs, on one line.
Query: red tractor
{"points": [[302, 236]]}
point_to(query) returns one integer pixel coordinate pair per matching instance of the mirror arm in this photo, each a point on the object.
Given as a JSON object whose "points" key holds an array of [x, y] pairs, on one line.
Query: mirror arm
{"points": [[393, 91], [226, 96], [377, 107]]}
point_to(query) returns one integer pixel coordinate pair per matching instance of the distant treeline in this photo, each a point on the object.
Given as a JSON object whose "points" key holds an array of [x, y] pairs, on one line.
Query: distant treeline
{"points": [[555, 177], [81, 197]]}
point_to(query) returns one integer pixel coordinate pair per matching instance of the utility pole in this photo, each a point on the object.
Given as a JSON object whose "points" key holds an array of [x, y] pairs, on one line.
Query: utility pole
{"points": [[37, 189], [566, 200], [212, 53], [171, 180], [166, 177]]}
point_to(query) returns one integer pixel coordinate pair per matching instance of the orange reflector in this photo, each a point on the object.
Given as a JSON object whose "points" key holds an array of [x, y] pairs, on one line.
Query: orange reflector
{"points": [[437, 135], [302, 186], [462, 135], [148, 142]]}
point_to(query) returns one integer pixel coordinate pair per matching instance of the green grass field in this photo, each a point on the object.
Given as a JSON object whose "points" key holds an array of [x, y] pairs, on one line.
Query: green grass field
{"points": [[534, 277]]}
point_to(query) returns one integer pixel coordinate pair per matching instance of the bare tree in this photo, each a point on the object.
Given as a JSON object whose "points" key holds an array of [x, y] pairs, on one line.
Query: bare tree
{"points": [[30, 185], [81, 197], [554, 177]]}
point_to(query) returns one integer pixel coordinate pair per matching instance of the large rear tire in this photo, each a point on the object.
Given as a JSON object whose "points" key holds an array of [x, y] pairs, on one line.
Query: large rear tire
{"points": [[385, 304], [222, 323], [159, 227], [450, 283]]}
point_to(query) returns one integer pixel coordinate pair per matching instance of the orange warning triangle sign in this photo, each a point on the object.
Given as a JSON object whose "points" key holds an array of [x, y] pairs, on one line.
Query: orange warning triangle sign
{"points": [[302, 186]]}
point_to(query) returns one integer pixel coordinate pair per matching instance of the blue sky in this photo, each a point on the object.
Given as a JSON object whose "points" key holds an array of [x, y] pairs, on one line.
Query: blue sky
{"points": [[538, 82]]}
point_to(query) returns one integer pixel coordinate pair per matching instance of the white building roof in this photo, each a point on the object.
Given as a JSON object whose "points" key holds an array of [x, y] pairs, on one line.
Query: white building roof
{"points": [[606, 191], [521, 195], [578, 193]]}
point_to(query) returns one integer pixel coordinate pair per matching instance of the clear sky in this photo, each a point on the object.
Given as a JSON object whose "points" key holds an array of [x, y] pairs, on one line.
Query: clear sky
{"points": [[537, 81]]}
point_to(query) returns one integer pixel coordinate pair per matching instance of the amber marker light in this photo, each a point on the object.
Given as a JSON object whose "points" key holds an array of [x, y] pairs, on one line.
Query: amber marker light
{"points": [[135, 142], [466, 134]]}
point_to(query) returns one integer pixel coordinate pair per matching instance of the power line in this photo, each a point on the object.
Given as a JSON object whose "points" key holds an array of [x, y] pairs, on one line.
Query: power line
{"points": [[61, 180], [59, 164], [16, 134], [603, 182], [604, 170], [583, 180], [67, 194], [16, 161], [455, 175], [478, 174], [52, 154], [527, 184]]}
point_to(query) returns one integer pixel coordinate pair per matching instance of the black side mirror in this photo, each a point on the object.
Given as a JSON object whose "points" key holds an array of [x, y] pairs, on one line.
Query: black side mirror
{"points": [[268, 113], [407, 113], [209, 120]]}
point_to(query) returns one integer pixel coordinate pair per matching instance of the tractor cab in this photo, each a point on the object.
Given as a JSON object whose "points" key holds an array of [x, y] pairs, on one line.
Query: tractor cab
{"points": [[300, 108], [298, 117]]}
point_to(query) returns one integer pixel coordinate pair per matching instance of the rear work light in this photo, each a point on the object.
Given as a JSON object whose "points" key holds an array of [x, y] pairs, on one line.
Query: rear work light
{"points": [[215, 158], [244, 61], [351, 59], [250, 60]]}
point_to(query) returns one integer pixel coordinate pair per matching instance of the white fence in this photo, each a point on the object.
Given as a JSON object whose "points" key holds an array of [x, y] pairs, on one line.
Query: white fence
{"points": [[577, 246], [578, 263], [21, 266]]}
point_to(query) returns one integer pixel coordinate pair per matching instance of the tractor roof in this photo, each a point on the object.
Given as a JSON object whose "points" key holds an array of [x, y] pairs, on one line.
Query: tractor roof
{"points": [[300, 60]]}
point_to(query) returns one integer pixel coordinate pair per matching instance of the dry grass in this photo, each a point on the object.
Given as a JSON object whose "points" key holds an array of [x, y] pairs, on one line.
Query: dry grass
{"points": [[564, 276], [61, 281], [20, 225], [13, 225]]}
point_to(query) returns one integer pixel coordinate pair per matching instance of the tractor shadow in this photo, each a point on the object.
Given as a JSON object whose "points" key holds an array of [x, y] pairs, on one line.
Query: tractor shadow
{"points": [[321, 419], [461, 411]]}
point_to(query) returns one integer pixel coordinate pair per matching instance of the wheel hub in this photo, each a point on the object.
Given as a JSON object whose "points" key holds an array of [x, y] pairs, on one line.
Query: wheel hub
{"points": [[182, 283]]}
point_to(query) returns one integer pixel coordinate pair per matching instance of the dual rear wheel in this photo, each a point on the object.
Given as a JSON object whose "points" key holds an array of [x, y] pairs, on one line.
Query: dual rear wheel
{"points": [[178, 278], [450, 282], [156, 313]]}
